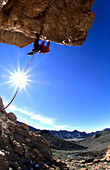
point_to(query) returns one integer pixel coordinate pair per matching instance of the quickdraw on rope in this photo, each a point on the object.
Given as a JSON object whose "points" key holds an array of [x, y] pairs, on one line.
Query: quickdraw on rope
{"points": [[19, 86]]}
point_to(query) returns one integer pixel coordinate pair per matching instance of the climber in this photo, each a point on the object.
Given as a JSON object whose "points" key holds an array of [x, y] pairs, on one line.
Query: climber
{"points": [[41, 48]]}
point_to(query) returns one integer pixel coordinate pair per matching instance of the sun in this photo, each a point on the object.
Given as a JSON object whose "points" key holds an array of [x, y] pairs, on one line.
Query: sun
{"points": [[19, 79]]}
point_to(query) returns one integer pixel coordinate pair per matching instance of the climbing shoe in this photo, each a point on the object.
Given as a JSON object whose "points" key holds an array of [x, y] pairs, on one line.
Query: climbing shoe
{"points": [[31, 53]]}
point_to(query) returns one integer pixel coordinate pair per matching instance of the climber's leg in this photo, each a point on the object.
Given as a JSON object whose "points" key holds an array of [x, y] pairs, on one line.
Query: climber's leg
{"points": [[36, 45], [31, 53]]}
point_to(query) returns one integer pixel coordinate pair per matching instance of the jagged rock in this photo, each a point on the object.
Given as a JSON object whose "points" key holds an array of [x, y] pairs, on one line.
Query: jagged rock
{"points": [[107, 156], [1, 126], [2, 107], [17, 147], [12, 117], [23, 125], [21, 149], [22, 132], [38, 154], [61, 21], [1, 104], [11, 125]]}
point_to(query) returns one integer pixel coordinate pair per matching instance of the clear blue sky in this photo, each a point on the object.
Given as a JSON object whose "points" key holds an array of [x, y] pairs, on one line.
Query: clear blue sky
{"points": [[71, 85]]}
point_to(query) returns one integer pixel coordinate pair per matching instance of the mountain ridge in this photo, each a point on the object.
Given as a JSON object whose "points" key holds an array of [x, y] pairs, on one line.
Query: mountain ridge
{"points": [[64, 134]]}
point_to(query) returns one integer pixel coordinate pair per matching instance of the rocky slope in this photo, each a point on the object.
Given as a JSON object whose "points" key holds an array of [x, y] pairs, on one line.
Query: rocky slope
{"points": [[97, 142], [62, 21], [89, 162], [59, 144], [64, 134], [21, 148]]}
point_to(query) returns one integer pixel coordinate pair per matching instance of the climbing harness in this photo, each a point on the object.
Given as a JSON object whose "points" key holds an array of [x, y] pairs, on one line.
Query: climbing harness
{"points": [[19, 86]]}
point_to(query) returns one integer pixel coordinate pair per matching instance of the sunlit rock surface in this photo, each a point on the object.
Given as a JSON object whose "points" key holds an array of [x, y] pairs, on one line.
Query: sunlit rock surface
{"points": [[63, 21], [22, 149]]}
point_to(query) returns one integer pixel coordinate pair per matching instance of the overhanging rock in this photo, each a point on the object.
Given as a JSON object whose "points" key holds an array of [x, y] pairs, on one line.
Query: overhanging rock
{"points": [[63, 21]]}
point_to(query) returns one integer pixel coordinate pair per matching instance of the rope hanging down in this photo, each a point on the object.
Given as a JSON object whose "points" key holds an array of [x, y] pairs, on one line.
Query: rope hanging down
{"points": [[19, 86]]}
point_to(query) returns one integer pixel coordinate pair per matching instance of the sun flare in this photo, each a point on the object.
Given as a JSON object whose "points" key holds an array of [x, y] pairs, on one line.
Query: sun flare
{"points": [[19, 79]]}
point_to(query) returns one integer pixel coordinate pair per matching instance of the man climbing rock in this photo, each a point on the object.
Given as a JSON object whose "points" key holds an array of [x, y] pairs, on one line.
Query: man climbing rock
{"points": [[41, 48]]}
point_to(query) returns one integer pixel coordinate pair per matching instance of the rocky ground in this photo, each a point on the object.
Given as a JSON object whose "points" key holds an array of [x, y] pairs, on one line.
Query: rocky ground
{"points": [[84, 161], [88, 164], [21, 149]]}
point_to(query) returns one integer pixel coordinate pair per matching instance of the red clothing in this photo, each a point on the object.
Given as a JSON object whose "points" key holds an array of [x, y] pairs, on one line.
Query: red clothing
{"points": [[45, 49]]}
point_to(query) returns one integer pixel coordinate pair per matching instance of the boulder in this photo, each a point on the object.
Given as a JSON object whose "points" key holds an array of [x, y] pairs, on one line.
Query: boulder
{"points": [[24, 126], [11, 125], [17, 147], [22, 132], [38, 154], [12, 117], [1, 104]]}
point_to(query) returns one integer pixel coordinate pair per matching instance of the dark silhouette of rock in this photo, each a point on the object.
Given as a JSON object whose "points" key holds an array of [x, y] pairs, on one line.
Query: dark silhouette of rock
{"points": [[63, 21]]}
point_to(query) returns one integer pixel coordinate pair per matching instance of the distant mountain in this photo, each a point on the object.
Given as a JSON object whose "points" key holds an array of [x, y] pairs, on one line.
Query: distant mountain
{"points": [[64, 134], [98, 141], [58, 143], [71, 135]]}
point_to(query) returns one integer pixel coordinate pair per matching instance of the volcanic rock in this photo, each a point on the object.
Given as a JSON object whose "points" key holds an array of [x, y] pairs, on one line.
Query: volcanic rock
{"points": [[1, 104], [24, 126], [107, 156], [21, 149], [12, 117], [63, 21]]}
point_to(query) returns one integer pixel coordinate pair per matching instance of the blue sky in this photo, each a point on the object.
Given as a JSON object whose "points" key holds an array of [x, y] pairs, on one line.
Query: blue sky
{"points": [[71, 85]]}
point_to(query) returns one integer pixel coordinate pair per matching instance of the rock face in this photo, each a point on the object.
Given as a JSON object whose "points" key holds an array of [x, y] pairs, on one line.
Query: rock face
{"points": [[1, 104], [21, 148], [107, 156], [12, 117], [63, 21]]}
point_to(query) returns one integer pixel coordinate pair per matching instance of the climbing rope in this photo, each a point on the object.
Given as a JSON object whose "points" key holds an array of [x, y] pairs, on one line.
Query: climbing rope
{"points": [[19, 86]]}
